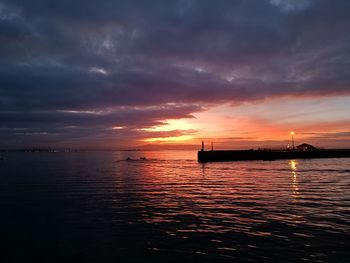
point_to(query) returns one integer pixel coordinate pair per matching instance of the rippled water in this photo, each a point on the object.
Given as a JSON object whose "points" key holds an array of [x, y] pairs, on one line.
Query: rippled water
{"points": [[96, 207]]}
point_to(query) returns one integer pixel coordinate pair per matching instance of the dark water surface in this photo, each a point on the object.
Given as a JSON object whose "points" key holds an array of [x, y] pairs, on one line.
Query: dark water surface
{"points": [[94, 207]]}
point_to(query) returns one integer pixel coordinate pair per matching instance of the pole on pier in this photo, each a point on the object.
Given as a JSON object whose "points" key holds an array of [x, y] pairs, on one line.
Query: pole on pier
{"points": [[202, 146], [212, 147], [292, 133]]}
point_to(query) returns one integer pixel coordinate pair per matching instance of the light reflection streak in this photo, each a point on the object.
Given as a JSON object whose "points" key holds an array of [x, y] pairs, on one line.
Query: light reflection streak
{"points": [[295, 188]]}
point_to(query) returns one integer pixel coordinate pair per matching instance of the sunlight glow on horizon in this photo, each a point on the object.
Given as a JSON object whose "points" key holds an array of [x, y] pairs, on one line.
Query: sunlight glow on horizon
{"points": [[254, 122], [172, 139], [171, 125]]}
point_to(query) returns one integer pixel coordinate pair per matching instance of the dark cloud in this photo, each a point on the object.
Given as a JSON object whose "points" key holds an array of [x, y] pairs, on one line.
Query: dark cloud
{"points": [[59, 56]]}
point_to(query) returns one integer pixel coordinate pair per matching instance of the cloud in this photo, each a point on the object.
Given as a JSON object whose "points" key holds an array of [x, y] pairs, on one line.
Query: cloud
{"points": [[119, 125], [99, 70], [290, 5], [92, 56]]}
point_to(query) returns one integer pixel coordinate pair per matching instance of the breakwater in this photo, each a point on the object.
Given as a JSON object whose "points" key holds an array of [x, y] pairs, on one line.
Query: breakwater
{"points": [[241, 155]]}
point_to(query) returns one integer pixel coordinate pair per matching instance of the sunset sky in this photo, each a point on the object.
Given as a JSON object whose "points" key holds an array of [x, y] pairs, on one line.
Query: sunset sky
{"points": [[169, 74]]}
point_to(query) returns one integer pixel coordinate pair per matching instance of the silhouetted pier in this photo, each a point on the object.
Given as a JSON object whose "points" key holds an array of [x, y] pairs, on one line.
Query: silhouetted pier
{"points": [[246, 155]]}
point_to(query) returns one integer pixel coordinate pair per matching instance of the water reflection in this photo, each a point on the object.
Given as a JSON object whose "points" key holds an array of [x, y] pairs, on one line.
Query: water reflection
{"points": [[295, 189], [169, 206], [202, 165]]}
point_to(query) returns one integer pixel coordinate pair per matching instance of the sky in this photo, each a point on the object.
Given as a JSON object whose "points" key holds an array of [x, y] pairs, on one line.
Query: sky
{"points": [[159, 74]]}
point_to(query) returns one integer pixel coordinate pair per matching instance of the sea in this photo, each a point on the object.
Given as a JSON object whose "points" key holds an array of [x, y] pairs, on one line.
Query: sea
{"points": [[167, 207]]}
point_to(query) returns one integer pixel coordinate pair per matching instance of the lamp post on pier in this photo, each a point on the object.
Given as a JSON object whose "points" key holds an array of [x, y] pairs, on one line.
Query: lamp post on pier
{"points": [[292, 134]]}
